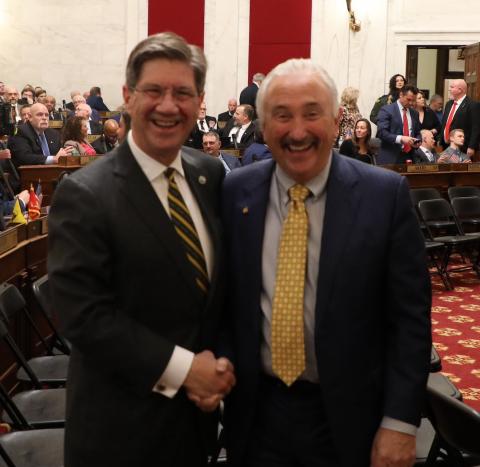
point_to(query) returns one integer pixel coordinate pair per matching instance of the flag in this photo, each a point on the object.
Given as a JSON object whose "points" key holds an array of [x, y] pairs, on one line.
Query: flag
{"points": [[33, 205], [17, 214], [39, 193]]}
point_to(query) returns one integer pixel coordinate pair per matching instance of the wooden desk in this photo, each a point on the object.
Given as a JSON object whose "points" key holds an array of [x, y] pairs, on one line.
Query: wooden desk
{"points": [[447, 176], [48, 176]]}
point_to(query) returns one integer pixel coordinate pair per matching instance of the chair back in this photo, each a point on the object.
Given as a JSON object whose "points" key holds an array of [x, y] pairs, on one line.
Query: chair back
{"points": [[439, 210], [455, 422], [466, 206], [461, 191], [420, 194], [11, 300]]}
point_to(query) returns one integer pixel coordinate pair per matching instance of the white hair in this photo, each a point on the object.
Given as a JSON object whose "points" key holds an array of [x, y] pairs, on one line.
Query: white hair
{"points": [[294, 66]]}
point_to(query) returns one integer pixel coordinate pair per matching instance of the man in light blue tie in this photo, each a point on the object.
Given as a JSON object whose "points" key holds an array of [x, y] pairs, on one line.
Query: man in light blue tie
{"points": [[34, 142]]}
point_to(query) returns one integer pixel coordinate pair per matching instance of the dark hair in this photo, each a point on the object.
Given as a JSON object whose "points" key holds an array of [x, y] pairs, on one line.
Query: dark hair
{"points": [[40, 91], [171, 47], [95, 91], [409, 88], [369, 133], [73, 129], [392, 83]]}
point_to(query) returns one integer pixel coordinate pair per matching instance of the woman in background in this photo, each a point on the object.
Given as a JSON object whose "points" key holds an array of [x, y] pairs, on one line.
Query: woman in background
{"points": [[75, 135], [427, 117], [396, 83], [358, 147], [349, 114]]}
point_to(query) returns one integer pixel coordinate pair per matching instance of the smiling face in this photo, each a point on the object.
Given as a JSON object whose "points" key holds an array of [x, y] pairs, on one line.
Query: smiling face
{"points": [[162, 122], [299, 124], [361, 130]]}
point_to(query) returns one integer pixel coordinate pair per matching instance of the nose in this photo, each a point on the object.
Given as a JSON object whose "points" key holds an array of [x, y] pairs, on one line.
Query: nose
{"points": [[167, 103], [297, 130]]}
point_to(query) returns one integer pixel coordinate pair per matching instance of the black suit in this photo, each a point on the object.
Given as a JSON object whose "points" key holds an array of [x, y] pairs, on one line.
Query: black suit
{"points": [[467, 118], [225, 116], [248, 137], [419, 157], [7, 126], [127, 292], [95, 128], [102, 146], [195, 139], [249, 95], [25, 145]]}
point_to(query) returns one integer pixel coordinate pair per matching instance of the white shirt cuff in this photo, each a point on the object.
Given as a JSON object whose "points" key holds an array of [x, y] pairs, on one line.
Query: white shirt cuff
{"points": [[50, 160], [175, 372], [398, 139], [397, 425]]}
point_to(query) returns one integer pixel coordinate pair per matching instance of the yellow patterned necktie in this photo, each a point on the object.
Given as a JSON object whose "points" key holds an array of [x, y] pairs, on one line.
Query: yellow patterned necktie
{"points": [[288, 343], [185, 228]]}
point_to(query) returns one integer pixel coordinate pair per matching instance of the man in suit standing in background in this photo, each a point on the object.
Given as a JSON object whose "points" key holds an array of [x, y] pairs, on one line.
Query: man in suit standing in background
{"points": [[331, 354], [462, 113], [135, 265], [398, 128], [249, 94]]}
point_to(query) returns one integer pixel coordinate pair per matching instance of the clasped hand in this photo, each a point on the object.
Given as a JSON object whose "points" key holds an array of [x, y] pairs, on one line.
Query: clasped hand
{"points": [[209, 380]]}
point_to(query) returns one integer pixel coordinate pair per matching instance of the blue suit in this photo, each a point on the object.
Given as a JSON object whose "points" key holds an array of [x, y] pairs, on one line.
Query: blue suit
{"points": [[232, 161], [389, 126], [372, 324]]}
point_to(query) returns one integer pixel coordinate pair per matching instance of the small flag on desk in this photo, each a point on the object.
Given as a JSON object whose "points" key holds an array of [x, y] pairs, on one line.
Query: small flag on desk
{"points": [[33, 205], [17, 214], [39, 193]]}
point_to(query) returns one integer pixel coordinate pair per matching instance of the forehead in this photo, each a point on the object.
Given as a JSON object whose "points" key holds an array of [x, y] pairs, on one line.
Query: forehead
{"points": [[297, 89], [164, 71], [38, 110], [209, 139]]}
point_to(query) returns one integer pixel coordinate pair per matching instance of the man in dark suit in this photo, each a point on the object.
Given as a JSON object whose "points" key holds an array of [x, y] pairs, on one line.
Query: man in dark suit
{"points": [[226, 116], [241, 129], [203, 125], [34, 142], [109, 139], [212, 145], [249, 94], [135, 265], [95, 100], [462, 113], [85, 111], [329, 331], [426, 153], [398, 128], [50, 103]]}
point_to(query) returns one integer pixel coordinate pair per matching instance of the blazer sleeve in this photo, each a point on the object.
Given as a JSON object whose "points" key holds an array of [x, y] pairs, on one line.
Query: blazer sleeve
{"points": [[475, 119], [80, 265], [23, 152], [385, 125]]}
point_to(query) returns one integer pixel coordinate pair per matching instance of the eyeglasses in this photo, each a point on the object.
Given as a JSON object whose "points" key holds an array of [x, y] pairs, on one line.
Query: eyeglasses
{"points": [[158, 93]]}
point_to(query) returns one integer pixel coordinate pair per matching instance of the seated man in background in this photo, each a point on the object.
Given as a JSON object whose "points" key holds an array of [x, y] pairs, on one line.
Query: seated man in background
{"points": [[34, 142], [425, 154], [95, 100], [85, 111], [79, 99], [212, 144], [228, 115], [243, 133], [25, 114], [109, 138], [50, 103], [9, 112], [453, 154]]}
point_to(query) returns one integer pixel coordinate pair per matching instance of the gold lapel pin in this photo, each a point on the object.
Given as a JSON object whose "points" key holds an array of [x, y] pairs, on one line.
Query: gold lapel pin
{"points": [[202, 180], [245, 210]]}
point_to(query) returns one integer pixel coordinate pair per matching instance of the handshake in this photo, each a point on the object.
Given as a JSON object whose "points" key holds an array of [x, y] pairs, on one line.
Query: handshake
{"points": [[209, 380]]}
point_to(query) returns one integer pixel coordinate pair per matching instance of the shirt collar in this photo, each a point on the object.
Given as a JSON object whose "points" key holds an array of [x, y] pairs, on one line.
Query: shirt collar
{"points": [[150, 166], [316, 185], [400, 106], [459, 101], [244, 127]]}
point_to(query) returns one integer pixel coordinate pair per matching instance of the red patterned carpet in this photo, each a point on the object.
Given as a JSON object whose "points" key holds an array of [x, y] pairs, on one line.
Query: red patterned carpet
{"points": [[456, 332]]}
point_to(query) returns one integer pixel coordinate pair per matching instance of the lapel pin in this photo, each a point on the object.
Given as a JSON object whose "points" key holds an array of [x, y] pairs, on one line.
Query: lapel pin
{"points": [[202, 180], [245, 210]]}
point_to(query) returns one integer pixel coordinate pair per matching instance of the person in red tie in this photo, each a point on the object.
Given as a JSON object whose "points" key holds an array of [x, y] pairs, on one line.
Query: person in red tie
{"points": [[398, 128], [464, 113]]}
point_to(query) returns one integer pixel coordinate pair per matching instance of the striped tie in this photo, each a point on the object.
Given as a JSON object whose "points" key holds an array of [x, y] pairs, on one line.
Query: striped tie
{"points": [[185, 228]]}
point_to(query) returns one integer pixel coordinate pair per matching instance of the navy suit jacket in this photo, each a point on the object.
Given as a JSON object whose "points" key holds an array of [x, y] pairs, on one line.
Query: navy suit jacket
{"points": [[232, 161], [96, 102], [389, 126], [372, 323]]}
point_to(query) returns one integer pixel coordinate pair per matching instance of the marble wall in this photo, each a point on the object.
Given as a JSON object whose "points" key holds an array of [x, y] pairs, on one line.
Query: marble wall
{"points": [[75, 44], [65, 45]]}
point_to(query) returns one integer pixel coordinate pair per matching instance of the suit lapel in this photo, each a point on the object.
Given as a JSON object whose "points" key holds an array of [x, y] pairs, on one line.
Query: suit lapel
{"points": [[340, 215], [148, 208]]}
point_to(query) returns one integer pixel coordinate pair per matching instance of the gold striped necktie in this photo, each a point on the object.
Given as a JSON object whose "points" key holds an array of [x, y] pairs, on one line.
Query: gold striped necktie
{"points": [[185, 228], [288, 343]]}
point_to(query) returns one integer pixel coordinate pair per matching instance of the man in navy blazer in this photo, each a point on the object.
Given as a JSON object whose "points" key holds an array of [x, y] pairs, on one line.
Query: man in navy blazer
{"points": [[396, 147], [212, 144], [366, 297]]}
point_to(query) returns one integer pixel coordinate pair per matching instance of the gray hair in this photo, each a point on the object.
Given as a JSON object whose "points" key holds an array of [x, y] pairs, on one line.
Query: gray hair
{"points": [[258, 78], [171, 47], [212, 133], [295, 66]]}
